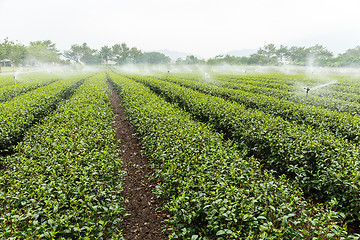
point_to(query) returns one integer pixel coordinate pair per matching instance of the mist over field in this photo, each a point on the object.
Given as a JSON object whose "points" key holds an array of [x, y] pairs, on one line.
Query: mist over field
{"points": [[180, 119]]}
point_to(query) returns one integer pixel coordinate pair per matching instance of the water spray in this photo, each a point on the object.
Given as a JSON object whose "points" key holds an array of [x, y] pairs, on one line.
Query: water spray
{"points": [[324, 85], [206, 76], [307, 89]]}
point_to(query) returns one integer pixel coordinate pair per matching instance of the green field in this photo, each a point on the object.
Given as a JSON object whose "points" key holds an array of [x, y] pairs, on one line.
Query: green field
{"points": [[8, 69], [237, 156]]}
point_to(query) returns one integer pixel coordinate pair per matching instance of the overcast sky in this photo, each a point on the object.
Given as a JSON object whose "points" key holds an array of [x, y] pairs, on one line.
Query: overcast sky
{"points": [[202, 27]]}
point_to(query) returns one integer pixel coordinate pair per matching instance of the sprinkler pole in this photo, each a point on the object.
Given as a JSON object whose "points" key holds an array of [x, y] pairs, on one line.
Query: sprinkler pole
{"points": [[307, 92]]}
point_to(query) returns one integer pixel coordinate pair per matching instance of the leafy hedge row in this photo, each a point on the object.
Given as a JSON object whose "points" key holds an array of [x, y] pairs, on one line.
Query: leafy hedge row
{"points": [[21, 112], [347, 84], [296, 95], [348, 97], [341, 124], [64, 180], [346, 87], [345, 81], [299, 97], [260, 81], [324, 166], [343, 89], [6, 80], [213, 191], [11, 91], [290, 80]]}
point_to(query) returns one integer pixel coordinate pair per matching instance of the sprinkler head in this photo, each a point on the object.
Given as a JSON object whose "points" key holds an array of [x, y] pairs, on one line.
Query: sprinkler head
{"points": [[307, 89]]}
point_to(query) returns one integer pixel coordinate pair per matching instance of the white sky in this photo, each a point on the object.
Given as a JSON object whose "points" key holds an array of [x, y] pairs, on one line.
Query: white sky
{"points": [[202, 27]]}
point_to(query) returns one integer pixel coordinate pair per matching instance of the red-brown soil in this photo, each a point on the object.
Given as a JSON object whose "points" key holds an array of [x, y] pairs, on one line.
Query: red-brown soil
{"points": [[145, 219]]}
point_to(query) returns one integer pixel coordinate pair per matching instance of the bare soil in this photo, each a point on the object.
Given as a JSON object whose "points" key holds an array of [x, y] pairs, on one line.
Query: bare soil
{"points": [[145, 219]]}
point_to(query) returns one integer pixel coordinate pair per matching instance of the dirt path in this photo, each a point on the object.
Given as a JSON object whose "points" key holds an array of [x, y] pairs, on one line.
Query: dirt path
{"points": [[144, 221]]}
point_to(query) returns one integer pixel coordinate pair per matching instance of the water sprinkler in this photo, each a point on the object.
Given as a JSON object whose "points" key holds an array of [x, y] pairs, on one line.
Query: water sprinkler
{"points": [[307, 89], [307, 93], [15, 79]]}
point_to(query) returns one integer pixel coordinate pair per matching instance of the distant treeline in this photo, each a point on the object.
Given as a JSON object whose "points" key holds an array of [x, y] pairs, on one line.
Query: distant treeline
{"points": [[316, 55], [15, 54]]}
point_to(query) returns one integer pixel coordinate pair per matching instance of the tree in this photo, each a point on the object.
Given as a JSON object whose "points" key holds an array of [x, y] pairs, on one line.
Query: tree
{"points": [[92, 57], [43, 51], [235, 60], [265, 55], [5, 49], [228, 59], [116, 52], [257, 58], [125, 52], [179, 61], [320, 54], [134, 54], [281, 53], [75, 53], [191, 60], [298, 54], [350, 57], [2, 55], [121, 52], [269, 52], [211, 61], [320, 51], [83, 54], [154, 58], [17, 54], [48, 44], [106, 53]]}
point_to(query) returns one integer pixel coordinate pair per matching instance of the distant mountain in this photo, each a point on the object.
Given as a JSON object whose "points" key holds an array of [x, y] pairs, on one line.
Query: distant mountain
{"points": [[174, 55], [241, 52]]}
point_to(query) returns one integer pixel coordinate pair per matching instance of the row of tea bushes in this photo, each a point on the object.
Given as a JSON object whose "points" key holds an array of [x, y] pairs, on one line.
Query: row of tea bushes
{"points": [[212, 190], [21, 112], [332, 93], [64, 180], [344, 83], [11, 91], [278, 79], [325, 167], [23, 77], [296, 95], [331, 103], [341, 91], [260, 81], [343, 125], [6, 80], [331, 87]]}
